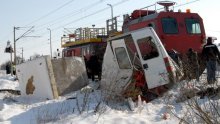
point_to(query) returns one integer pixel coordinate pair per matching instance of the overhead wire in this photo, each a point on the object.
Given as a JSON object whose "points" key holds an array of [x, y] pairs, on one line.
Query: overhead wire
{"points": [[101, 11], [34, 46], [51, 12], [94, 13], [45, 43], [62, 17], [67, 3], [73, 14], [91, 14], [97, 13], [76, 20], [186, 3]]}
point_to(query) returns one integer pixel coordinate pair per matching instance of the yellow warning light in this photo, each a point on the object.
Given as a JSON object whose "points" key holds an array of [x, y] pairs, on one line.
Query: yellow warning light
{"points": [[187, 10]]}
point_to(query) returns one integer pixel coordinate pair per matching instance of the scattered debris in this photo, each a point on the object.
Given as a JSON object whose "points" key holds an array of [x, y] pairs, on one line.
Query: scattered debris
{"points": [[71, 98], [15, 92], [90, 87], [187, 93], [165, 116], [209, 92], [131, 104], [9, 99]]}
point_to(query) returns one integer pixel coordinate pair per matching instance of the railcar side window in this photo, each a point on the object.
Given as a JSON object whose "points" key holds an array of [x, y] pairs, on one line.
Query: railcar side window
{"points": [[193, 26], [169, 25], [147, 48], [122, 58]]}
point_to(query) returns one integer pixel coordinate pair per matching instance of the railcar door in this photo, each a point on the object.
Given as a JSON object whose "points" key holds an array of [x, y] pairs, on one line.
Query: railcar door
{"points": [[152, 56], [123, 60]]}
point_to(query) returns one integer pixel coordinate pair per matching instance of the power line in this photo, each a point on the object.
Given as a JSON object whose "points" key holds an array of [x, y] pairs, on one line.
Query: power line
{"points": [[44, 16], [99, 12], [96, 12], [73, 13], [26, 33], [45, 43], [34, 46], [76, 20], [62, 18], [187, 3], [86, 16]]}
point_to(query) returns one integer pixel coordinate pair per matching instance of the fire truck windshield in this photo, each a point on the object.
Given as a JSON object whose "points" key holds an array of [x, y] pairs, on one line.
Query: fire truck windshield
{"points": [[169, 25], [193, 26]]}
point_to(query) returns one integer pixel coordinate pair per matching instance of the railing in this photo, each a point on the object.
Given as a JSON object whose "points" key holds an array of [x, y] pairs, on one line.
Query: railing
{"points": [[112, 25], [88, 33], [83, 34], [146, 11]]}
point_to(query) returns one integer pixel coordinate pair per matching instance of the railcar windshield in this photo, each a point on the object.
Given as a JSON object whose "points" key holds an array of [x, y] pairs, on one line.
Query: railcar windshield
{"points": [[193, 26], [169, 25]]}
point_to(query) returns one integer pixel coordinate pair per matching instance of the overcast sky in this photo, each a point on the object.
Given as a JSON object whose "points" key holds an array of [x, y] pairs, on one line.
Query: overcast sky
{"points": [[60, 14]]}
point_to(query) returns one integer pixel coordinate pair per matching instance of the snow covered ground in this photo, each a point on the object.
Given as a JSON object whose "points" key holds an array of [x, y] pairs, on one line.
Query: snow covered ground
{"points": [[82, 107]]}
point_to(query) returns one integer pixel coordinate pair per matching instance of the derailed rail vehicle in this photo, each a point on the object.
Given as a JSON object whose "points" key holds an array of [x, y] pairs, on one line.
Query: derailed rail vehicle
{"points": [[137, 64]]}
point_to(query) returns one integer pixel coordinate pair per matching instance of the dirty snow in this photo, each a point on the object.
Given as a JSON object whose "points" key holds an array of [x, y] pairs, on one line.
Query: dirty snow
{"points": [[15, 109]]}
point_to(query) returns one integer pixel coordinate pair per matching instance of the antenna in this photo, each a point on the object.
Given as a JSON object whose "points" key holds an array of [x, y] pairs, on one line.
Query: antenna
{"points": [[166, 4]]}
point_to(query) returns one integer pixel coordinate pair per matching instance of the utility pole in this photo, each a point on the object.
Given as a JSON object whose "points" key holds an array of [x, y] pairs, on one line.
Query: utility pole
{"points": [[50, 43], [111, 15], [14, 47], [11, 64], [22, 55], [23, 35]]}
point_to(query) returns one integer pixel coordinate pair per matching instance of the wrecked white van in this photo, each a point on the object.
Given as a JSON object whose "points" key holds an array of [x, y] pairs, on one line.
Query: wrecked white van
{"points": [[136, 63]]}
